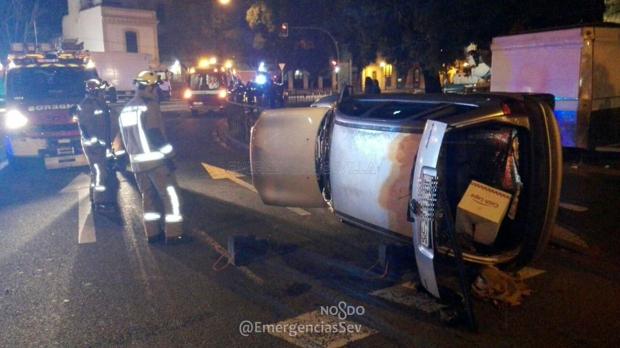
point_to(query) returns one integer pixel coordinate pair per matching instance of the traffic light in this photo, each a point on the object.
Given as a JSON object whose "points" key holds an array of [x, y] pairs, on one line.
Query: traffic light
{"points": [[284, 30]]}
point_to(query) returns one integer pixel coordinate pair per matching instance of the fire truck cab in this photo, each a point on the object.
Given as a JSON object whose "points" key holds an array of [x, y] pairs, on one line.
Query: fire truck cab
{"points": [[41, 89], [207, 87]]}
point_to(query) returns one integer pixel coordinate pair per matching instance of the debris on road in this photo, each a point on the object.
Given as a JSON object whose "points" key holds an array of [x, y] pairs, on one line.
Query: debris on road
{"points": [[500, 287]]}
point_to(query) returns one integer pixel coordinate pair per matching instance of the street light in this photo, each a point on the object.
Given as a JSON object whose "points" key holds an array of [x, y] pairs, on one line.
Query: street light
{"points": [[224, 2]]}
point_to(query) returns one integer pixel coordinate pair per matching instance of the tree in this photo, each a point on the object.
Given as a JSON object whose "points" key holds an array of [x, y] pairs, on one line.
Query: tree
{"points": [[18, 18], [612, 11], [435, 32]]}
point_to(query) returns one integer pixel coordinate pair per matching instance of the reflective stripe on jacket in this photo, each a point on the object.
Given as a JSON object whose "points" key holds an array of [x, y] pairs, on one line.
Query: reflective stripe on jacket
{"points": [[142, 131], [94, 122]]}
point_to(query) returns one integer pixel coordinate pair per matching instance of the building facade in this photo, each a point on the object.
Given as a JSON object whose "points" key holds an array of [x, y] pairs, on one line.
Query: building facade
{"points": [[112, 26]]}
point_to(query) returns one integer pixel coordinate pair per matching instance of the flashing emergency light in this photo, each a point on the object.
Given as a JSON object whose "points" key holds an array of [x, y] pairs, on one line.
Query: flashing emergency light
{"points": [[204, 63], [90, 64], [261, 67], [260, 79], [14, 120], [187, 94], [175, 68]]}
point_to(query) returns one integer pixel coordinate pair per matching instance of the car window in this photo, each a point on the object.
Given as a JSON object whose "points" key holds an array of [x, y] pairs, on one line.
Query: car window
{"points": [[49, 82], [207, 81], [396, 110], [384, 109]]}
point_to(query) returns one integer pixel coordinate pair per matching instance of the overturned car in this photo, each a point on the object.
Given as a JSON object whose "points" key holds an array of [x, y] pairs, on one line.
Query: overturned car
{"points": [[486, 168]]}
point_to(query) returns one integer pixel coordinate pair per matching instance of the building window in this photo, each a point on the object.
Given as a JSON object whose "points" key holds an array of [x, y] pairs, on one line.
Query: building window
{"points": [[131, 41], [388, 75]]}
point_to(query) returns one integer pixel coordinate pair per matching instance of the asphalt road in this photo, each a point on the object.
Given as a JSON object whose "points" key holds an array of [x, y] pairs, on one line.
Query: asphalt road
{"points": [[73, 280]]}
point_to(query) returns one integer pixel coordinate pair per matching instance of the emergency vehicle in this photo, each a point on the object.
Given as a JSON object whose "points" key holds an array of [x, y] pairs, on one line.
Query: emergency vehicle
{"points": [[207, 86], [41, 89]]}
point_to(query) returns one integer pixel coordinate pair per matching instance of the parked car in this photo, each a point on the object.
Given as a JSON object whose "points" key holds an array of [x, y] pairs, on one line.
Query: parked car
{"points": [[325, 102], [400, 164]]}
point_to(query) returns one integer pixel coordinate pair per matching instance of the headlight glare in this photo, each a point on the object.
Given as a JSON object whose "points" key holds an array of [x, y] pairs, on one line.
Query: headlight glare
{"points": [[14, 119]]}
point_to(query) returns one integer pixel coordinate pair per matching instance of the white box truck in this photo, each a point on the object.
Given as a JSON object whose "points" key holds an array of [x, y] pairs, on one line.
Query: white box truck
{"points": [[580, 66]]}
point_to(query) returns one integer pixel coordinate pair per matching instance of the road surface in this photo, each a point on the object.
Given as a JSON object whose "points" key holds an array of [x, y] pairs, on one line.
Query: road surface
{"points": [[68, 278]]}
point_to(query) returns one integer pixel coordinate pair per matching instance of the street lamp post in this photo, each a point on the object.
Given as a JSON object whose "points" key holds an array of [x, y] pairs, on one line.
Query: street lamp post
{"points": [[323, 31]]}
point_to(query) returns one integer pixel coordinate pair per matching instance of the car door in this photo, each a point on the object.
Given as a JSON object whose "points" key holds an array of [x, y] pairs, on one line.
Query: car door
{"points": [[283, 156], [541, 173]]}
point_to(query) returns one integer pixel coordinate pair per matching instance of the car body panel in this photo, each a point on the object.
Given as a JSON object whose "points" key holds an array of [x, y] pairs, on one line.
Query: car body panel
{"points": [[325, 102], [369, 175], [284, 162], [375, 181]]}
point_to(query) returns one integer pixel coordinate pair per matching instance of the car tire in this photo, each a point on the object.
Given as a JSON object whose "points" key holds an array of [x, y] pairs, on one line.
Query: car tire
{"points": [[546, 180]]}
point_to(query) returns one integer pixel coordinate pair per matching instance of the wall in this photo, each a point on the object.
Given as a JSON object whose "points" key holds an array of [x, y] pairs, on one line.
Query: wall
{"points": [[117, 21], [102, 29], [86, 26]]}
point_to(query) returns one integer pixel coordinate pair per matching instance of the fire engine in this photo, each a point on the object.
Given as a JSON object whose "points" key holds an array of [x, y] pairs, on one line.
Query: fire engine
{"points": [[41, 89], [207, 86]]}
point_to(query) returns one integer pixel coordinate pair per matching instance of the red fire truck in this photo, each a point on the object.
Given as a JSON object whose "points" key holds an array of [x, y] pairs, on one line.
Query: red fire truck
{"points": [[41, 89]]}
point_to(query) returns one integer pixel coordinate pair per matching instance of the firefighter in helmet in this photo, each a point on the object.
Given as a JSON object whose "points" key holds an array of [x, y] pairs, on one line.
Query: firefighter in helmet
{"points": [[150, 156], [93, 116]]}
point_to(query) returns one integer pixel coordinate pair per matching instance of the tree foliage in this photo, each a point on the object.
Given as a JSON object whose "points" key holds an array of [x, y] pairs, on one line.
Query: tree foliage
{"points": [[612, 11]]}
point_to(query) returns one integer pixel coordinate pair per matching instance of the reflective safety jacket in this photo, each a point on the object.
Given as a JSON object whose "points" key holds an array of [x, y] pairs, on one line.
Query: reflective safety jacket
{"points": [[143, 134], [94, 122]]}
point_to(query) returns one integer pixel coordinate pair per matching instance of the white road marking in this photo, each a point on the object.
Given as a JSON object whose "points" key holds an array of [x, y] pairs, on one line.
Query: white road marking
{"points": [[86, 224], [573, 207], [314, 329], [217, 173], [408, 295], [529, 272], [222, 251]]}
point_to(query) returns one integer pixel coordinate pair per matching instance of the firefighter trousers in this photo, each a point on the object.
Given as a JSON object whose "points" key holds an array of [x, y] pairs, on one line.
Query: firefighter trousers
{"points": [[160, 202], [102, 187]]}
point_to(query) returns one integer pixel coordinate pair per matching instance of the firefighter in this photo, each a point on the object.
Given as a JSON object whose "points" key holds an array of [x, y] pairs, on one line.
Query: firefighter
{"points": [[150, 156], [93, 116]]}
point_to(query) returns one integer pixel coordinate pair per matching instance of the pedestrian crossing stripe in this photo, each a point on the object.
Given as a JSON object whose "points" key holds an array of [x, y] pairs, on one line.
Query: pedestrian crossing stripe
{"points": [[314, 329], [408, 295]]}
